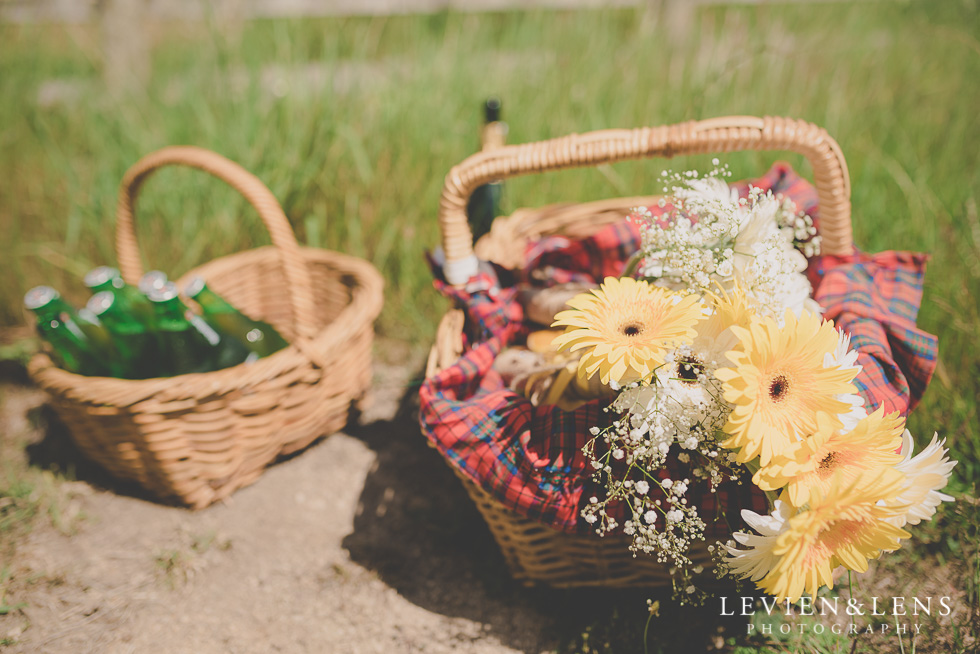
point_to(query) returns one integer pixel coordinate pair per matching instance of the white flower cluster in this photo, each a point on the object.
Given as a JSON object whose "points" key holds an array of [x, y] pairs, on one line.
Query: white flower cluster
{"points": [[711, 235], [661, 522], [681, 408]]}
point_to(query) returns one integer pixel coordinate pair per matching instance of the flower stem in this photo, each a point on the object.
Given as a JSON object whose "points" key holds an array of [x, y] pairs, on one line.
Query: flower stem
{"points": [[632, 265]]}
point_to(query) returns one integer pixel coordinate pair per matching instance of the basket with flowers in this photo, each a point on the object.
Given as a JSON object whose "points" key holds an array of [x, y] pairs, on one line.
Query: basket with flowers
{"points": [[719, 409]]}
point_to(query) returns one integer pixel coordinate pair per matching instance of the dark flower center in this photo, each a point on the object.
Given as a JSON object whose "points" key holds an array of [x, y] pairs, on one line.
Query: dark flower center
{"points": [[828, 461], [631, 329], [778, 388], [688, 368]]}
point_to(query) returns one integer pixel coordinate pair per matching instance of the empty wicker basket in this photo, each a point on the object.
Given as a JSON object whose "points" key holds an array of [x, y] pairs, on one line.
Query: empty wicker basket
{"points": [[196, 438], [534, 552]]}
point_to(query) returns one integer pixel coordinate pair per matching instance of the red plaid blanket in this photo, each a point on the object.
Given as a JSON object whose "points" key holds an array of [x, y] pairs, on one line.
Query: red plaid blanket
{"points": [[530, 458]]}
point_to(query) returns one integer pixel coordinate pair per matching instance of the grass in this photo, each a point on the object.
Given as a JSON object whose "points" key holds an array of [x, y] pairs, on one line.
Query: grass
{"points": [[27, 492], [353, 123]]}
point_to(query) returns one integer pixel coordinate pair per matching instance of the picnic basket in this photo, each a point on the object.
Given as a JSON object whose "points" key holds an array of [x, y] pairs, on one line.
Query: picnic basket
{"points": [[194, 439], [537, 553]]}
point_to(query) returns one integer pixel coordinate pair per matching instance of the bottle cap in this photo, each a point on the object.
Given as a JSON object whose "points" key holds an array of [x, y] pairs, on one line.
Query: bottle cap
{"points": [[40, 296], [151, 280], [100, 302], [163, 294], [491, 109], [100, 275], [194, 287]]}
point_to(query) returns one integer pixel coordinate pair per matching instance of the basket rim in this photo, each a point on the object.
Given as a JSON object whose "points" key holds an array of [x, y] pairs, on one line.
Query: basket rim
{"points": [[363, 308], [724, 134]]}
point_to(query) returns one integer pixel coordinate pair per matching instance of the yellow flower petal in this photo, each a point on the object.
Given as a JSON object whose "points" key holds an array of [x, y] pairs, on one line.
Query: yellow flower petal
{"points": [[625, 327], [784, 386]]}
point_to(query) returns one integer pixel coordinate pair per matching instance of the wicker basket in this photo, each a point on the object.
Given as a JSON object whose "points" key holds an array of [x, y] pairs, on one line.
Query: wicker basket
{"points": [[196, 438], [536, 553]]}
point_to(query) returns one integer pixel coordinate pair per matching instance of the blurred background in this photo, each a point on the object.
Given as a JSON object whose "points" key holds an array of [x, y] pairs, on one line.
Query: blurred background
{"points": [[352, 112], [354, 120]]}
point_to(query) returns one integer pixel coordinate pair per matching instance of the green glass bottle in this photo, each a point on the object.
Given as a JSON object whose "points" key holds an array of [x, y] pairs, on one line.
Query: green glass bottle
{"points": [[133, 339], [190, 344], [130, 299], [57, 325], [484, 204], [103, 342], [258, 337]]}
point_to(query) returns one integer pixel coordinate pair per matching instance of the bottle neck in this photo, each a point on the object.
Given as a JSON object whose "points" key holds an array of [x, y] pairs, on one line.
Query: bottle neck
{"points": [[112, 284], [53, 310], [118, 319], [171, 315], [211, 302], [493, 135]]}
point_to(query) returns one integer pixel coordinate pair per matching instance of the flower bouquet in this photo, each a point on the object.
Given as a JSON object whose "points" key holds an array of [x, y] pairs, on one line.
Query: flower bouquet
{"points": [[719, 358]]}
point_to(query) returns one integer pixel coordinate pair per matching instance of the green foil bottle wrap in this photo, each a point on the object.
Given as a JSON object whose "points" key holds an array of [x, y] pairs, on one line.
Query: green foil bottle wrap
{"points": [[58, 325], [257, 337]]}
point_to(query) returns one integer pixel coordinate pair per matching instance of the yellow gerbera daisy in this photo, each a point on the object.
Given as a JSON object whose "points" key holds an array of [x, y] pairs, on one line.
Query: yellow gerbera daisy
{"points": [[625, 327], [811, 465], [844, 527], [729, 309], [779, 384], [725, 309]]}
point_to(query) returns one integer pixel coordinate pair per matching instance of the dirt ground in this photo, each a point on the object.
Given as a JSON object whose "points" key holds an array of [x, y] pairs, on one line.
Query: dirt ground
{"points": [[363, 543]]}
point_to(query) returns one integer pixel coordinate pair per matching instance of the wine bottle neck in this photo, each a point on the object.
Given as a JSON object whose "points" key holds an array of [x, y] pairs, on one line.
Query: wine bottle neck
{"points": [[211, 302], [493, 135]]}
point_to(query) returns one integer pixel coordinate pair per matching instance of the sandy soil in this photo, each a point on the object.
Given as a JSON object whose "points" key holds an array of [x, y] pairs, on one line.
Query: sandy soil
{"points": [[363, 543]]}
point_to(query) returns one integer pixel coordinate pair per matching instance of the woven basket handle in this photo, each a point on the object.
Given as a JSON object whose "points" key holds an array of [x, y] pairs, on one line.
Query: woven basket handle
{"points": [[130, 265], [716, 135]]}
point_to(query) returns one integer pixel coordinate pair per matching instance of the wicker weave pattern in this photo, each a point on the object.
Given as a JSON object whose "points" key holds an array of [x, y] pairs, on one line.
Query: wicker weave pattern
{"points": [[538, 554], [534, 552], [197, 438], [609, 146]]}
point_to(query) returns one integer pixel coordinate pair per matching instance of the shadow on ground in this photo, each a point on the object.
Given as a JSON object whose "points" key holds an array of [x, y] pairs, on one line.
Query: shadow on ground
{"points": [[418, 530], [55, 450]]}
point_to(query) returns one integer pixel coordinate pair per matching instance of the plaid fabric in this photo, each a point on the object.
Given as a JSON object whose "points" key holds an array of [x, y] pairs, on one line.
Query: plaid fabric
{"points": [[875, 298], [530, 458]]}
